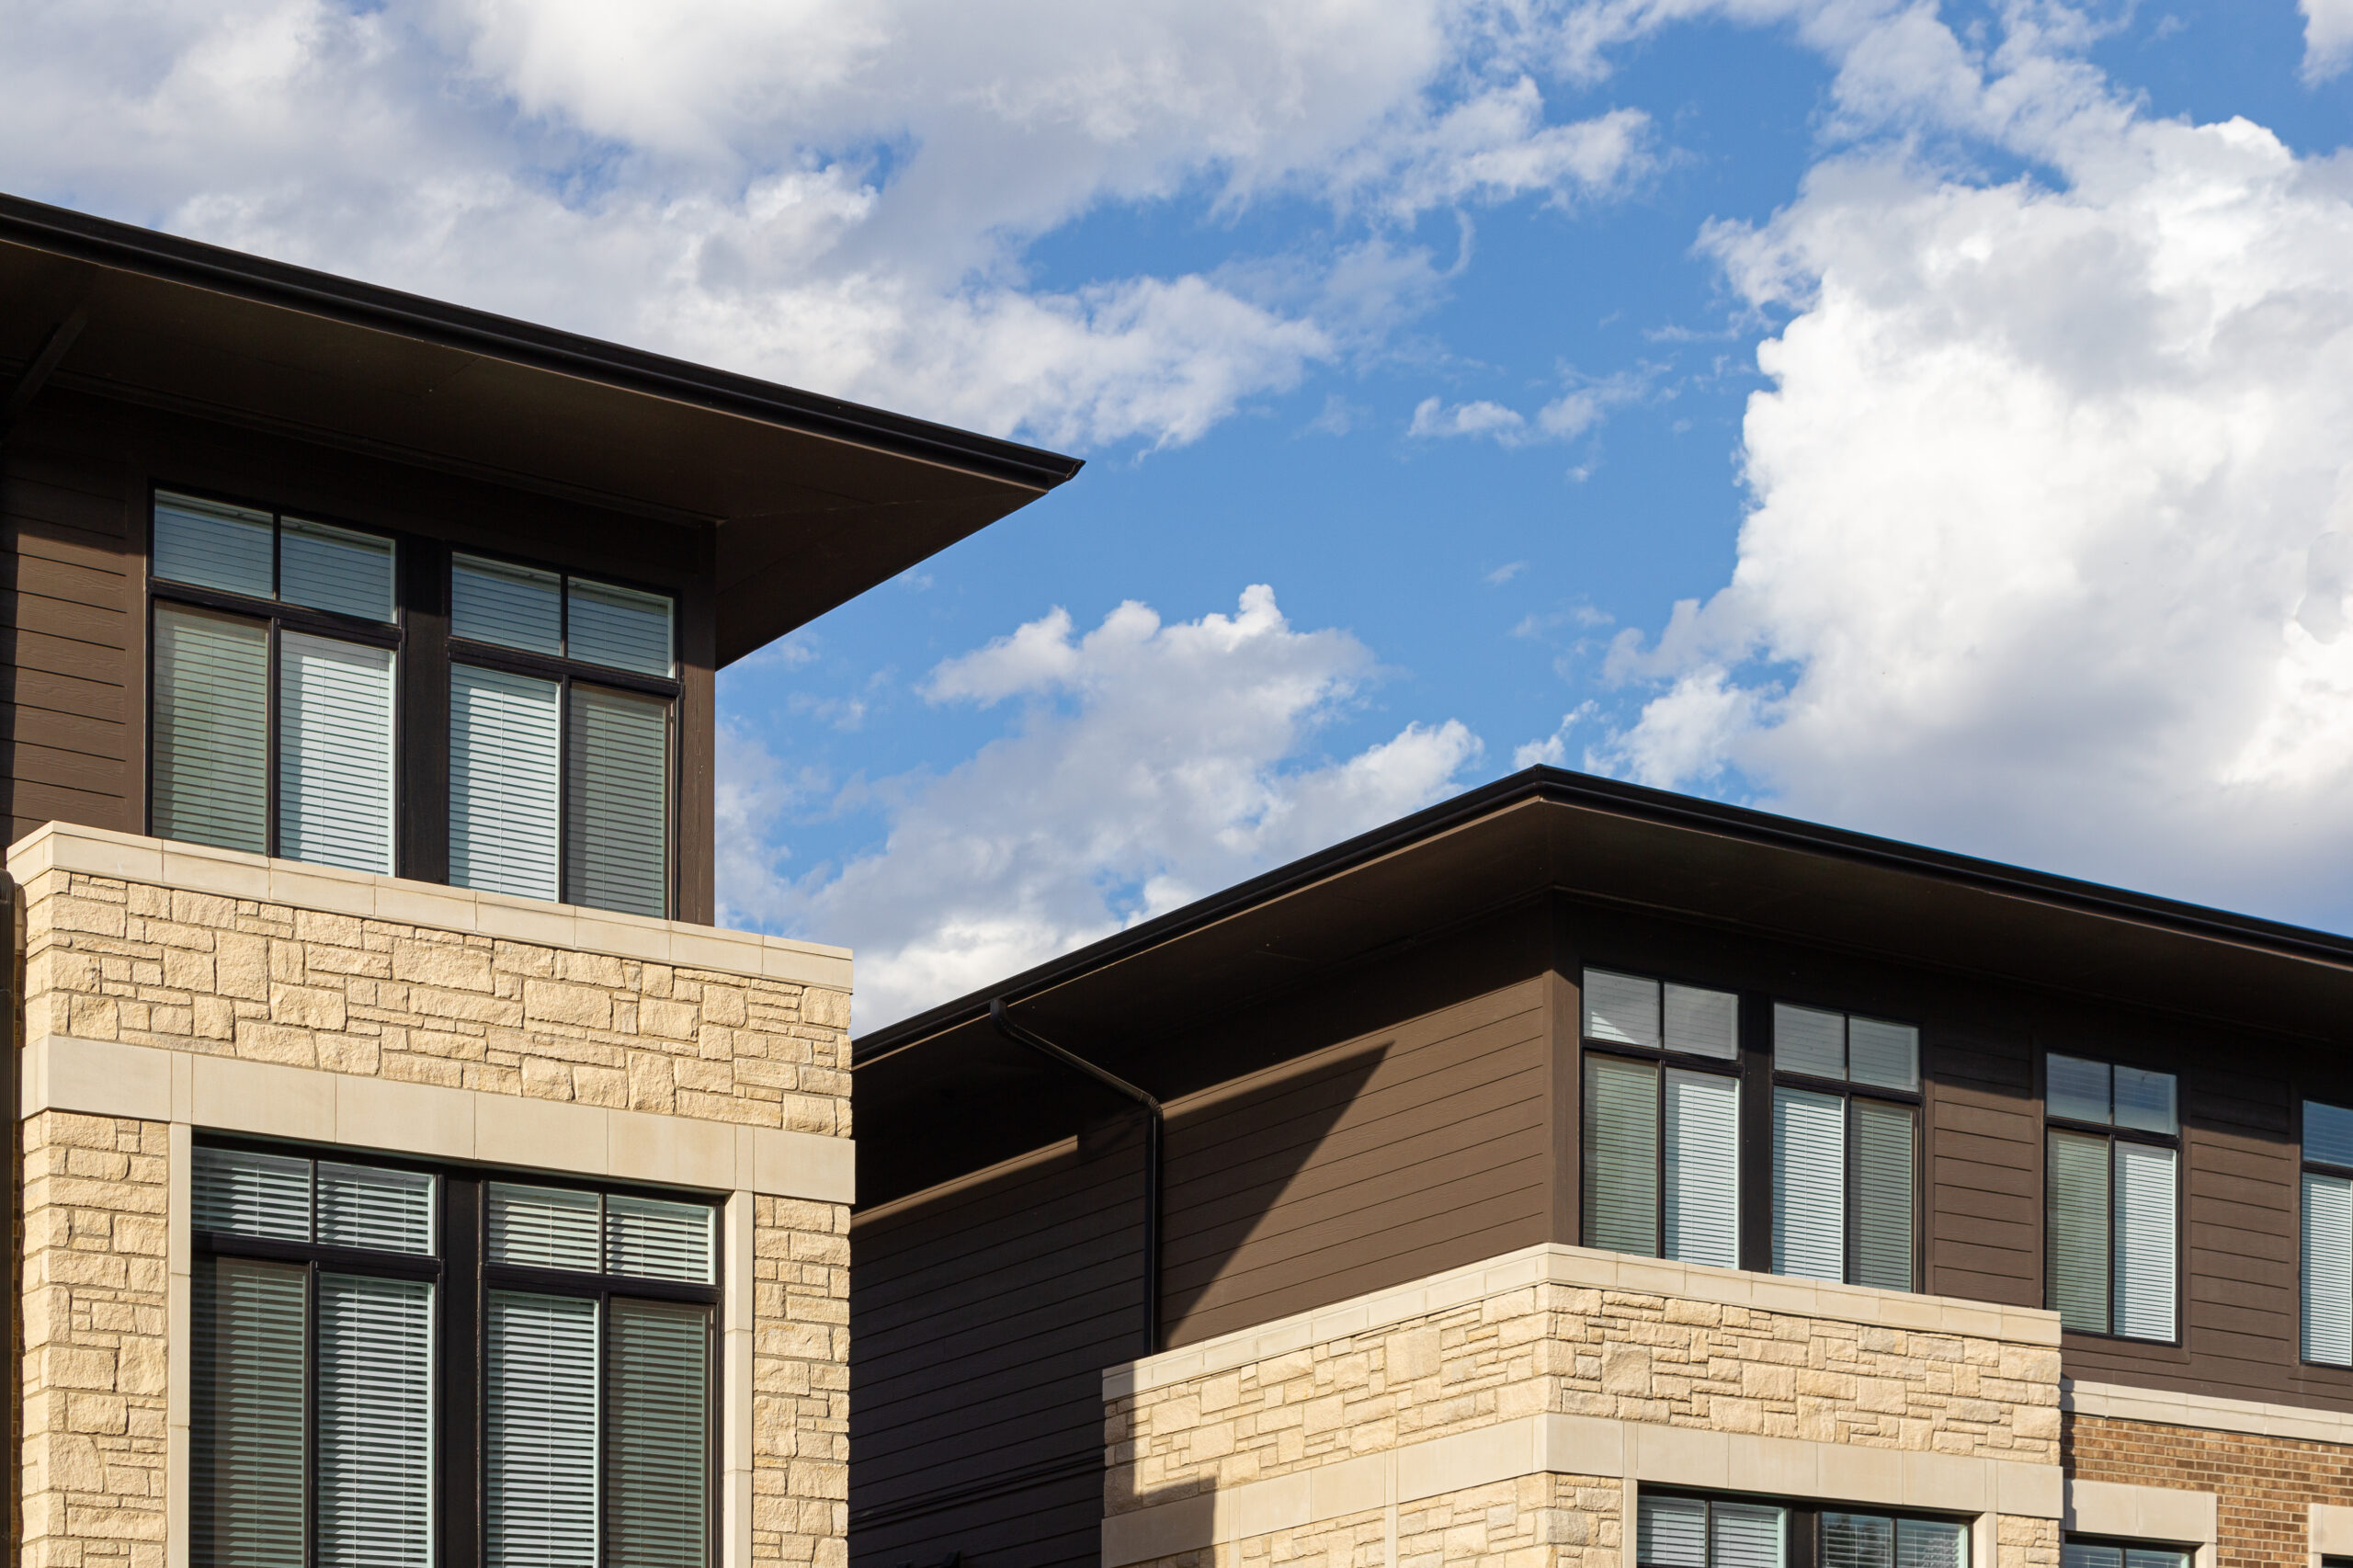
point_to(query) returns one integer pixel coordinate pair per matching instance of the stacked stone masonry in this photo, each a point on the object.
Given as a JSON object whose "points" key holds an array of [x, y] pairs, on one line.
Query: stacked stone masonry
{"points": [[131, 963], [2264, 1486]]}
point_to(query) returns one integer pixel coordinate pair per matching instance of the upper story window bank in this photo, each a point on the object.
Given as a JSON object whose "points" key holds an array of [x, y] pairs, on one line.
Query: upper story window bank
{"points": [[283, 649]]}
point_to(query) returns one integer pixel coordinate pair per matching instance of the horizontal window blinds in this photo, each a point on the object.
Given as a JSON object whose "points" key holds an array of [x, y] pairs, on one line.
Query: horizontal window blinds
{"points": [[618, 628], [514, 606], [367, 1206], [335, 753], [503, 791], [211, 545], [1703, 1023], [2328, 1133], [540, 1423], [1621, 1156], [657, 1421], [1932, 1543], [617, 817], [1808, 1040], [651, 1239], [2076, 1225], [1858, 1541], [2145, 1241], [1883, 1056], [544, 1227], [251, 1194], [2075, 1088], [210, 729], [1703, 1168], [1747, 1535], [1882, 1195], [1621, 1008], [1671, 1532], [375, 1426], [2328, 1268], [1809, 1184], [246, 1387], [335, 569]]}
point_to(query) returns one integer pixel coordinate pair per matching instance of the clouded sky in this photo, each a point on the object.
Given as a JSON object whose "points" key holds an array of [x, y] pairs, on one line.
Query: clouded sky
{"points": [[1932, 419]]}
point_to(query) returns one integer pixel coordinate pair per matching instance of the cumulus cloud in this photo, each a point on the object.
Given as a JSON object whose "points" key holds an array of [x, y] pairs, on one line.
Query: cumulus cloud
{"points": [[1151, 763], [1565, 418], [2328, 38], [2050, 493]]}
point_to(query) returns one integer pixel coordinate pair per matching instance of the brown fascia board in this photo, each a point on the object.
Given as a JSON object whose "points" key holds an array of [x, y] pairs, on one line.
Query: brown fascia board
{"points": [[814, 498]]}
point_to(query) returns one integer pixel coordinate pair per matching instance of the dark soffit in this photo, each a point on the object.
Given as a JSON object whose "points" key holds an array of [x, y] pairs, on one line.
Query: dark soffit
{"points": [[815, 499], [1124, 1000]]}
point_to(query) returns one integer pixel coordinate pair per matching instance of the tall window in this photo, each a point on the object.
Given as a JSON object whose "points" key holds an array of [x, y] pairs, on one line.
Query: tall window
{"points": [[2328, 1234], [560, 699], [1675, 1530], [1662, 1119], [1846, 1109], [2110, 1182], [395, 1366], [274, 645]]}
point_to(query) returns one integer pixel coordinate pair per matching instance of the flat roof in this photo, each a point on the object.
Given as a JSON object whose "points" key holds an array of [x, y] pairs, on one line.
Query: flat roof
{"points": [[815, 499]]}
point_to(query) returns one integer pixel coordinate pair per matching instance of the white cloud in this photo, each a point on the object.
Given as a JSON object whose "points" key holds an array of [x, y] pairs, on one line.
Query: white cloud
{"points": [[1565, 418], [2328, 38], [2043, 555], [1152, 764], [1433, 418]]}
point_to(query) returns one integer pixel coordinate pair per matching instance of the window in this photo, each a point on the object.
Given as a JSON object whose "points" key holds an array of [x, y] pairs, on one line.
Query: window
{"points": [[274, 645], [2080, 1551], [2328, 1234], [1673, 1531], [358, 1328], [1661, 1140], [1846, 1093], [2109, 1184], [559, 706]]}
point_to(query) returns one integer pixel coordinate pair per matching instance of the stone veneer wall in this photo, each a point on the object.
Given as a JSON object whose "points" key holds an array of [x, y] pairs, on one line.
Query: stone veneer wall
{"points": [[2263, 1485], [118, 960]]}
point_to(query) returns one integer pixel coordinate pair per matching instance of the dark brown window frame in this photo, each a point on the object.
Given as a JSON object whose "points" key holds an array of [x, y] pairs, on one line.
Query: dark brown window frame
{"points": [[1804, 1544], [1848, 1089], [2306, 1165], [462, 1278], [2113, 1134], [1723, 1067]]}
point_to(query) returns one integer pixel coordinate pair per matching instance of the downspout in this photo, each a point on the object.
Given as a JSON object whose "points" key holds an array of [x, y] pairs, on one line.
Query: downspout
{"points": [[1120, 1087]]}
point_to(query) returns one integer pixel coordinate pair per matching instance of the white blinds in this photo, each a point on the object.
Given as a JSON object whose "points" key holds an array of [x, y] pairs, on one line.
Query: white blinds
{"points": [[2328, 1268], [544, 1227], [335, 569], [1703, 1168], [503, 782], [375, 1426], [1621, 1156], [651, 1239], [540, 1427], [514, 606], [1621, 1008], [245, 1386], [211, 696], [657, 1432], [1932, 1543], [1705, 1023], [367, 1206], [1808, 1040], [2145, 1241], [617, 816], [1882, 1055], [1671, 1532], [2076, 1222], [618, 627], [1882, 1195], [251, 1194], [1809, 1184], [1746, 1535], [1858, 1541], [335, 753], [211, 545]]}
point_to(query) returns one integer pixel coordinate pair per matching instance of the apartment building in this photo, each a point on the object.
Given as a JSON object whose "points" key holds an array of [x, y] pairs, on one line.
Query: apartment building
{"points": [[1574, 1175], [408, 1170]]}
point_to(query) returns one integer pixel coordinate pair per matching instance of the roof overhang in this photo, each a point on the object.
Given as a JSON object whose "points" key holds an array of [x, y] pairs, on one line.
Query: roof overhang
{"points": [[813, 499]]}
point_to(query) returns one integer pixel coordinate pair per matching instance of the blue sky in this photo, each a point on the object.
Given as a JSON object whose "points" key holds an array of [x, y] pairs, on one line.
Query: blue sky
{"points": [[1932, 419]]}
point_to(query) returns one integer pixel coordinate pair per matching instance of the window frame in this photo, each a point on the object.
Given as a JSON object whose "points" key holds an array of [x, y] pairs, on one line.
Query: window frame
{"points": [[2127, 1543], [1915, 1099], [2113, 1133], [464, 1278], [1729, 1068], [1803, 1548], [2307, 1165]]}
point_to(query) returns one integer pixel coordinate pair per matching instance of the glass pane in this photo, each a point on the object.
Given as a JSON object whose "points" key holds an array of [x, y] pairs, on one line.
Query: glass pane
{"points": [[541, 1425], [1703, 1168], [2328, 1133], [2154, 1557], [1809, 1184], [544, 1227], [2145, 1100], [246, 1400], [335, 753], [211, 545], [1806, 1039], [1621, 1156], [1746, 1535], [2075, 1089], [514, 606], [210, 729], [1932, 1543], [1621, 1008], [2328, 1269], [2079, 1554], [1858, 1541], [1883, 1055], [619, 627], [363, 1206], [1882, 1195], [1672, 1532], [657, 1435], [651, 1239], [501, 782], [1705, 1023], [618, 816], [2145, 1241], [375, 1423], [2077, 1223], [335, 569], [252, 1195]]}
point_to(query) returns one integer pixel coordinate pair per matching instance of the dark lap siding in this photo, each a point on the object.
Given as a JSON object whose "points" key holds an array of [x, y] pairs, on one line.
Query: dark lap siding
{"points": [[1985, 1206]]}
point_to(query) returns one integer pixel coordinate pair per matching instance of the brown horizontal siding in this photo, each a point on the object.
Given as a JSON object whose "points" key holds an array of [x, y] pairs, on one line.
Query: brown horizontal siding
{"points": [[1366, 1164], [1985, 1226]]}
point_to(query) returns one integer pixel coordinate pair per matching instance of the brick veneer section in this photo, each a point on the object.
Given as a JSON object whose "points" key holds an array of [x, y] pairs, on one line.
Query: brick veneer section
{"points": [[2264, 1485]]}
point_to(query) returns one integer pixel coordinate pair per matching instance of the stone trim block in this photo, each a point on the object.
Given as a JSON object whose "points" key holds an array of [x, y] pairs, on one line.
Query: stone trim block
{"points": [[2206, 1412], [2143, 1513]]}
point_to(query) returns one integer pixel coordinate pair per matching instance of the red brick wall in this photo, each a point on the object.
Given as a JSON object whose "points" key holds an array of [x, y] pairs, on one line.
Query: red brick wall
{"points": [[2264, 1483]]}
